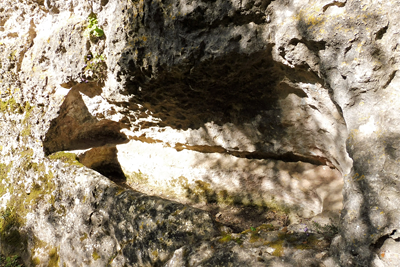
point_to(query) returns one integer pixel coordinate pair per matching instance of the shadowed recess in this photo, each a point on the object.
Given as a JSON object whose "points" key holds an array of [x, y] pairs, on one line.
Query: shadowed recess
{"points": [[104, 160], [76, 128], [233, 88]]}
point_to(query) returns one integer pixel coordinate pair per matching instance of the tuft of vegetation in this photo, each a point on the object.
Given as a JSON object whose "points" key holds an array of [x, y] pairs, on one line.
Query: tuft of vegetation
{"points": [[95, 68], [68, 158], [93, 29], [13, 261]]}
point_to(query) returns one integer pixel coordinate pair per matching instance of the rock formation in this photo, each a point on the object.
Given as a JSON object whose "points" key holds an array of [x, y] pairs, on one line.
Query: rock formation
{"points": [[130, 128]]}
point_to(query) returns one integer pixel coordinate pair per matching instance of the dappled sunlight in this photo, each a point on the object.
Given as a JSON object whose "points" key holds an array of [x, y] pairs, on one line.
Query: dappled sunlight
{"points": [[200, 132], [232, 130], [359, 85], [199, 178]]}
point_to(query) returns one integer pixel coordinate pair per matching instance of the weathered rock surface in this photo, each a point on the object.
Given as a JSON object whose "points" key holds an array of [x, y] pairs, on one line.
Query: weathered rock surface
{"points": [[268, 104], [196, 177]]}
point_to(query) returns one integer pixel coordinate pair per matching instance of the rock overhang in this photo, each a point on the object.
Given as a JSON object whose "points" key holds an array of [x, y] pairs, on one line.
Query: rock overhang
{"points": [[236, 125]]}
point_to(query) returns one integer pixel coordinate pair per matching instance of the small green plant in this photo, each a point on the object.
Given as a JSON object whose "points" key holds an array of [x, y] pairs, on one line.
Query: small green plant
{"points": [[93, 29], [95, 68], [12, 261]]}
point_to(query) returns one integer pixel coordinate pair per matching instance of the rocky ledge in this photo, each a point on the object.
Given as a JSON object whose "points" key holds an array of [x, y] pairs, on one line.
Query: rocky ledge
{"points": [[199, 133]]}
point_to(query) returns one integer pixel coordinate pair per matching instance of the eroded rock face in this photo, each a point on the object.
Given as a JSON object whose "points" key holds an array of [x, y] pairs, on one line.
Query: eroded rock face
{"points": [[265, 103], [236, 102]]}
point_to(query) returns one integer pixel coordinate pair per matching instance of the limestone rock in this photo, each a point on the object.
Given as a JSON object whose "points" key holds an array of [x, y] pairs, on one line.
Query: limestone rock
{"points": [[273, 104], [196, 177], [257, 247]]}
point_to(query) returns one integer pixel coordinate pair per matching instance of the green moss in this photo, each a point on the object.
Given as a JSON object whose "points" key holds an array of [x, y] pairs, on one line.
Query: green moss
{"points": [[68, 158], [26, 160], [26, 131], [95, 255], [181, 181], [39, 191], [12, 218], [40, 168], [138, 177], [200, 192], [203, 190], [9, 220], [4, 169], [278, 246], [238, 240], [275, 206], [28, 109], [84, 237], [35, 261], [298, 241], [228, 237], [21, 203], [53, 258], [254, 236], [11, 106], [227, 198], [3, 106], [225, 238], [44, 186]]}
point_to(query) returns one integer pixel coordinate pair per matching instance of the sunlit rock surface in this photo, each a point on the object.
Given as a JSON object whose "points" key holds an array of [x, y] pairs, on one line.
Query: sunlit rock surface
{"points": [[266, 105]]}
